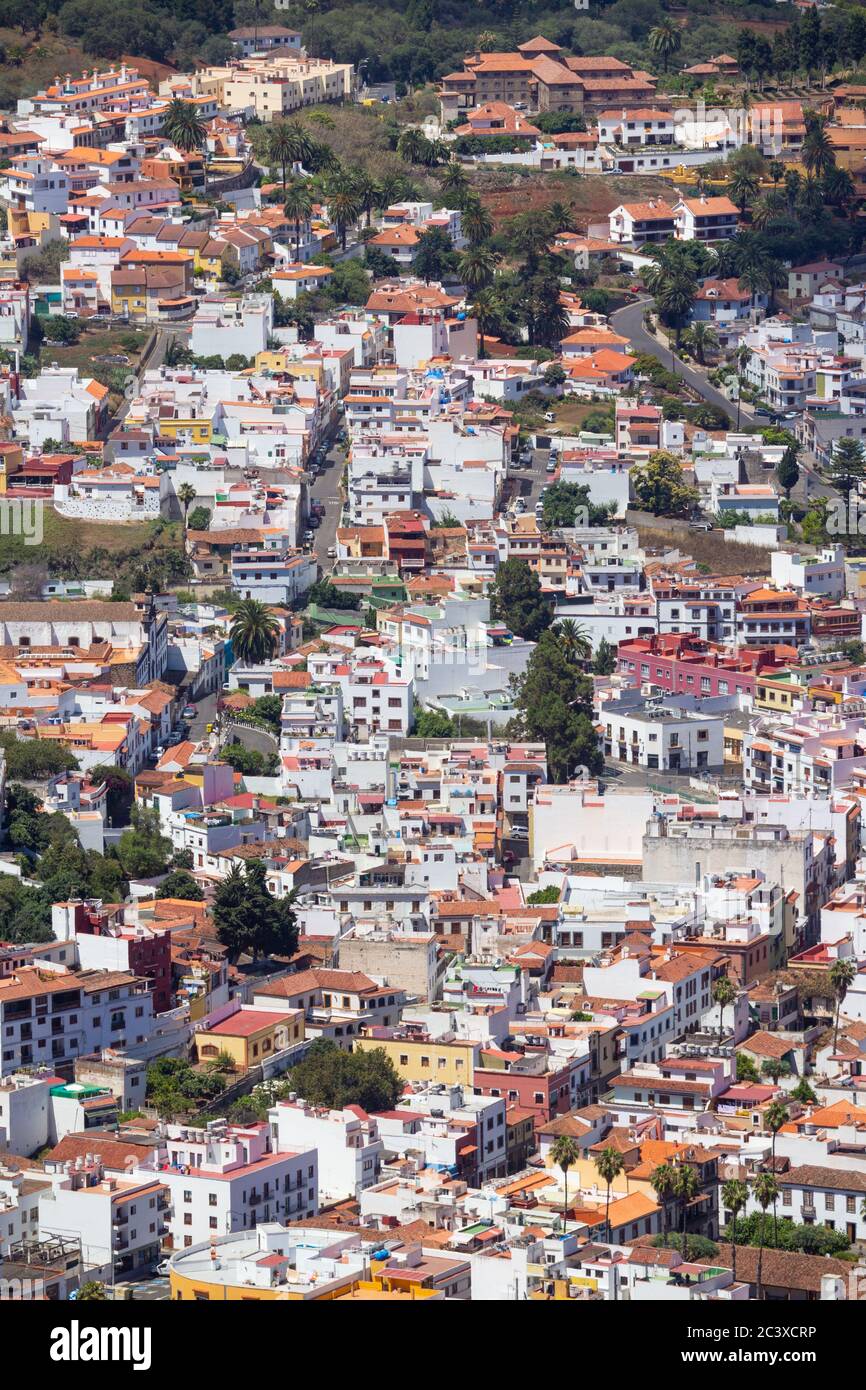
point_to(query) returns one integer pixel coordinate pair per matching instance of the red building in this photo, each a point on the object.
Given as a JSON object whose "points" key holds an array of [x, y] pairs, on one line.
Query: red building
{"points": [[407, 540], [682, 664], [527, 1080]]}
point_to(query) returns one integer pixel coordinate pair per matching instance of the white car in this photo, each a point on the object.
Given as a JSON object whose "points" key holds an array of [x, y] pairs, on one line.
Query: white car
{"points": [[332, 552]]}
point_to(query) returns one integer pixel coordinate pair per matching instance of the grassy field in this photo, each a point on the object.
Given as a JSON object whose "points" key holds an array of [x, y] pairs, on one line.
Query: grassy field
{"points": [[68, 536], [95, 343], [708, 548]]}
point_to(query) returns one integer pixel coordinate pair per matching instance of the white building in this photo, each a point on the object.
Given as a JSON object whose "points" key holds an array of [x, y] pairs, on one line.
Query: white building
{"points": [[347, 1143], [227, 1178]]}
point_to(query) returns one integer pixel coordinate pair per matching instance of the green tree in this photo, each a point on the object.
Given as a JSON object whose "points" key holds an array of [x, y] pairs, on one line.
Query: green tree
{"points": [[735, 1195], [254, 632], [344, 206], [432, 723], [573, 639], [664, 41], [609, 1164], [724, 994], [333, 1078], [702, 339], [91, 1291], [517, 600], [487, 312], [248, 919], [847, 466], [186, 495], [199, 519], [289, 143], [687, 1188], [434, 255], [476, 222], [664, 1181], [553, 699], [842, 975], [477, 267], [658, 485], [743, 188], [565, 1154], [817, 153], [143, 851], [180, 884], [788, 470], [183, 125], [765, 1190], [803, 1093], [604, 660], [775, 1116], [298, 207]]}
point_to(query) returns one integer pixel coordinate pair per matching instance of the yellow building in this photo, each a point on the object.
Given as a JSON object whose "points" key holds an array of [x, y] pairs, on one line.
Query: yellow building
{"points": [[250, 1036], [425, 1059], [191, 431], [779, 695], [11, 459]]}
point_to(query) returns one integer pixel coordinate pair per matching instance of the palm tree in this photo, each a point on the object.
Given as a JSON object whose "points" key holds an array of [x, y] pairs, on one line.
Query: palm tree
{"points": [[769, 209], [842, 974], [298, 207], [573, 639], [838, 186], [561, 217], [186, 495], [368, 194], [724, 993], [664, 1180], [817, 153], [810, 201], [665, 40], [487, 312], [743, 357], [674, 296], [743, 188], [703, 339], [565, 1154], [477, 267], [609, 1165], [775, 1116], [454, 180], [254, 632], [687, 1188], [344, 206], [476, 222], [765, 1190], [735, 1195], [412, 145], [289, 143], [183, 125]]}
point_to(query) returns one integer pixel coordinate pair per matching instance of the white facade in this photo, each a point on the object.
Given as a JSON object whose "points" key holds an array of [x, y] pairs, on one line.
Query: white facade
{"points": [[346, 1141]]}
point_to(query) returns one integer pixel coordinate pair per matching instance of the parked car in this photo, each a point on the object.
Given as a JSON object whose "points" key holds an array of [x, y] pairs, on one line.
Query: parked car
{"points": [[551, 466], [189, 712], [159, 751], [332, 552]]}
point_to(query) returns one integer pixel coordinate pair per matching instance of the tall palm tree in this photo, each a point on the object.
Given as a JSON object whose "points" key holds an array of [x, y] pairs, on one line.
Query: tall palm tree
{"points": [[743, 357], [775, 1116], [289, 143], [839, 189], [674, 296], [298, 207], [454, 180], [412, 145], [765, 1191], [842, 974], [183, 125], [817, 153], [565, 1154], [344, 206], [724, 994], [609, 1165], [743, 188], [735, 1195], [487, 312], [186, 495], [477, 267], [687, 1188], [476, 222], [664, 1180], [574, 639], [368, 194], [561, 217], [254, 632], [703, 338], [664, 41]]}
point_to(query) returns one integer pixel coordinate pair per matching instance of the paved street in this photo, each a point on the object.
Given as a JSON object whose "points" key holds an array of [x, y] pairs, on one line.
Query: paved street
{"points": [[629, 322], [326, 489]]}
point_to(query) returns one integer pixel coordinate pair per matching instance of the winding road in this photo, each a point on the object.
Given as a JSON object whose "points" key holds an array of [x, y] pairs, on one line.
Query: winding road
{"points": [[628, 321]]}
